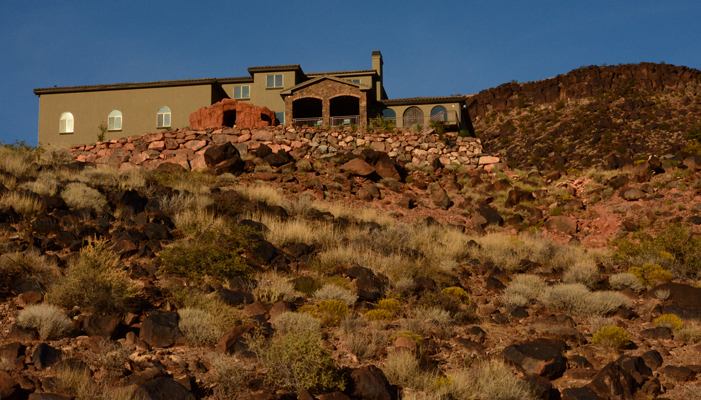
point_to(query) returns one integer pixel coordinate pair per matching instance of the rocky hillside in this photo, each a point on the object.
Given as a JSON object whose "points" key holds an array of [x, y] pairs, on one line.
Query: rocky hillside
{"points": [[591, 116]]}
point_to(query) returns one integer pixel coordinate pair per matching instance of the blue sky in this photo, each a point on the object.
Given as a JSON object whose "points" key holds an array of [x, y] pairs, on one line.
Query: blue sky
{"points": [[429, 48]]}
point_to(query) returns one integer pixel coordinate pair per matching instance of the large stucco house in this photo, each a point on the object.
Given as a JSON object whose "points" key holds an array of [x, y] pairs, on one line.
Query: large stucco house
{"points": [[72, 115]]}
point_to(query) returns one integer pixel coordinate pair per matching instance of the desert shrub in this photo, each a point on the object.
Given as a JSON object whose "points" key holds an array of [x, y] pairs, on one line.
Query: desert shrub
{"points": [[611, 336], [364, 345], [674, 248], [524, 290], [410, 335], [391, 305], [46, 184], [76, 381], [49, 321], [487, 379], [199, 327], [18, 162], [229, 375], [222, 314], [584, 273], [424, 320], [79, 195], [651, 274], [458, 293], [669, 321], [214, 253], [95, 282], [577, 299], [402, 368], [596, 323], [26, 204], [297, 361], [689, 333], [291, 322], [626, 280], [379, 314], [331, 291], [28, 265], [330, 312], [273, 287]]}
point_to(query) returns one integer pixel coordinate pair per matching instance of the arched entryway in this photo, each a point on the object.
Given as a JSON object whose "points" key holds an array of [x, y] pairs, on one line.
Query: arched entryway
{"points": [[344, 110], [307, 111], [229, 118], [412, 116]]}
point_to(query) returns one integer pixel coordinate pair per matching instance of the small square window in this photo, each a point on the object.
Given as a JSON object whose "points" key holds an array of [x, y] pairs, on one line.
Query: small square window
{"points": [[280, 116], [242, 92], [274, 81]]}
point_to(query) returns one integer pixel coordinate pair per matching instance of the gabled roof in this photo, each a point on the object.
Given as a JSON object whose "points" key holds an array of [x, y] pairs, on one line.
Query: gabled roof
{"points": [[131, 85], [312, 81], [423, 100], [237, 79]]}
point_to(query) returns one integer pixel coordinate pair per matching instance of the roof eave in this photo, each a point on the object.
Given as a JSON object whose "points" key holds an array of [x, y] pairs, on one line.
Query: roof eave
{"points": [[122, 86]]}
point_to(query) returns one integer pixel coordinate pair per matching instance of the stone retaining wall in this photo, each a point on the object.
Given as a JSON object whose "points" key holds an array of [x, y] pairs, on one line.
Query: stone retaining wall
{"points": [[187, 147]]}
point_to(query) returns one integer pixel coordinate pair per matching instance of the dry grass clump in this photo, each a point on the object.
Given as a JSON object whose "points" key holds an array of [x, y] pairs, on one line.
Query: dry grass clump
{"points": [[54, 156], [524, 290], [28, 265], [49, 321], [689, 333], [95, 282], [402, 368], [585, 273], [577, 299], [230, 376], [625, 280], [103, 176], [425, 320], [199, 327], [46, 184], [263, 192], [273, 287], [76, 381], [26, 204], [222, 314], [331, 291], [291, 322], [18, 162], [79, 195], [190, 212], [487, 379], [596, 323], [292, 231]]}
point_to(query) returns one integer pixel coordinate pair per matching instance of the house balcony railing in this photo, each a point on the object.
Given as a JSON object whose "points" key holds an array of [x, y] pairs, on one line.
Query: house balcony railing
{"points": [[345, 120], [450, 118], [308, 122]]}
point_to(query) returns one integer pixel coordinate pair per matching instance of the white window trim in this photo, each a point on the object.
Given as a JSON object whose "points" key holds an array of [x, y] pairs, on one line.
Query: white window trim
{"points": [[242, 97], [112, 121], [70, 123], [282, 81], [164, 125]]}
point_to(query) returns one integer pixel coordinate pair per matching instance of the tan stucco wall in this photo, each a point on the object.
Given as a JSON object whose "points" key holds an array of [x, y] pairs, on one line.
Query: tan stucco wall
{"points": [[264, 97], [229, 89], [426, 108], [138, 106]]}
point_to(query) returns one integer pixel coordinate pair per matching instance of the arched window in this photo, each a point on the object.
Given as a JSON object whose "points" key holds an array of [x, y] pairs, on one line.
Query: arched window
{"points": [[413, 115], [114, 121], [439, 113], [163, 117], [389, 113], [66, 123]]}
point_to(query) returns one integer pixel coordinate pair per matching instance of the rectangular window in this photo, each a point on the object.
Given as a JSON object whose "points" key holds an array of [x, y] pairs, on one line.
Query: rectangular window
{"points": [[355, 80], [280, 116], [115, 123], [242, 92], [274, 81]]}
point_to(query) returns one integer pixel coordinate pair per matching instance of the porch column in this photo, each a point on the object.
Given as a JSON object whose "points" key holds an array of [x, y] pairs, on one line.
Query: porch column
{"points": [[363, 110], [326, 111], [288, 111]]}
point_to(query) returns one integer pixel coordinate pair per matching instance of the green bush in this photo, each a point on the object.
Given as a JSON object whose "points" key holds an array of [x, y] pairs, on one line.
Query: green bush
{"points": [[95, 282], [669, 321], [651, 274], [330, 312], [457, 292], [214, 253], [611, 336], [674, 249], [297, 361]]}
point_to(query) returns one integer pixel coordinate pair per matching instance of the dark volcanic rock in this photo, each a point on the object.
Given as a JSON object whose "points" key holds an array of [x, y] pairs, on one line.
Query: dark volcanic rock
{"points": [[160, 329], [370, 383], [539, 357], [227, 343], [162, 388], [45, 356]]}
